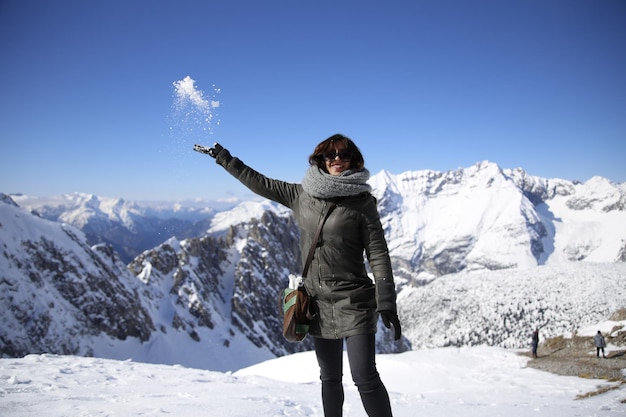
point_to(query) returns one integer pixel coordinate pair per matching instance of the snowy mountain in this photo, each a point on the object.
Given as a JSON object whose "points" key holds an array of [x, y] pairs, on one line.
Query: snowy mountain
{"points": [[130, 227], [484, 217], [481, 255], [60, 295], [57, 293]]}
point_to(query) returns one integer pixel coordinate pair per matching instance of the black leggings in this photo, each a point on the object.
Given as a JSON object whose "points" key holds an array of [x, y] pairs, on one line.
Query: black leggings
{"points": [[361, 356]]}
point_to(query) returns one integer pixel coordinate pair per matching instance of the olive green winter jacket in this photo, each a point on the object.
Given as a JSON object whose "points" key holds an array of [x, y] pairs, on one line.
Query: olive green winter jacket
{"points": [[345, 299]]}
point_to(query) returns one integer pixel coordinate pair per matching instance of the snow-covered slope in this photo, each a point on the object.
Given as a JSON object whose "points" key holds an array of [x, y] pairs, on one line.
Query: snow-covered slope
{"points": [[469, 382], [502, 308], [484, 217], [59, 295]]}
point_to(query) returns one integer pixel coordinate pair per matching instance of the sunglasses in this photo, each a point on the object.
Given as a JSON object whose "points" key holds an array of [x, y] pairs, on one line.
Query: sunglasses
{"points": [[345, 156]]}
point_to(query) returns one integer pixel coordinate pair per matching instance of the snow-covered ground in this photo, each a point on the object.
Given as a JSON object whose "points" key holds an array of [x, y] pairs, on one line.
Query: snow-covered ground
{"points": [[477, 381]]}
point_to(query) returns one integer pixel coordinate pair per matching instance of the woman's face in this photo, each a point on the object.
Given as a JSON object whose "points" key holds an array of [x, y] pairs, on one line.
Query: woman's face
{"points": [[337, 161]]}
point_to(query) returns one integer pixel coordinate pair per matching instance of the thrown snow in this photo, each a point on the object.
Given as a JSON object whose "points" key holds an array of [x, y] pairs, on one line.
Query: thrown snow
{"points": [[186, 90], [479, 381]]}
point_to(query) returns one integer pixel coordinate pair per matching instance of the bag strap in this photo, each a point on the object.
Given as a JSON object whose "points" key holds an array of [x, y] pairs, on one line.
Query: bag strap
{"points": [[315, 239]]}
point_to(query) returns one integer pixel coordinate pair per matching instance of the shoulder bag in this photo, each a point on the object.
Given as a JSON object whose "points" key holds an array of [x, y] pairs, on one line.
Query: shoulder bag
{"points": [[296, 303]]}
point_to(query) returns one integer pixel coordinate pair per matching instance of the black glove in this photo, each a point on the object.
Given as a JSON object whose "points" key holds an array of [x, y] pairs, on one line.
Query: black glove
{"points": [[215, 150], [221, 155], [391, 318]]}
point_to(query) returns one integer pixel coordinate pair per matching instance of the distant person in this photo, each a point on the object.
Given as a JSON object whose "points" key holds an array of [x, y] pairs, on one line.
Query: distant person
{"points": [[600, 343], [535, 342]]}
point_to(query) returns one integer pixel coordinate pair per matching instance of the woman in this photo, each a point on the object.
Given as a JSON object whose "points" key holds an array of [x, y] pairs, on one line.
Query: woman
{"points": [[346, 301]]}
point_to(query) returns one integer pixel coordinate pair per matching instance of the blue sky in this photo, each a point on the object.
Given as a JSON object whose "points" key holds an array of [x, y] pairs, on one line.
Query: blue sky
{"points": [[87, 99]]}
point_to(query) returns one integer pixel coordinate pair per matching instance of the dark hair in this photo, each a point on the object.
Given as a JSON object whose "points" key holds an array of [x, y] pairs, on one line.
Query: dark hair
{"points": [[317, 157]]}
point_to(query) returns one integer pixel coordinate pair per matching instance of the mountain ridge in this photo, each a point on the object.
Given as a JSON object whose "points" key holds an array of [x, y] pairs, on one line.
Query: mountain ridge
{"points": [[209, 299]]}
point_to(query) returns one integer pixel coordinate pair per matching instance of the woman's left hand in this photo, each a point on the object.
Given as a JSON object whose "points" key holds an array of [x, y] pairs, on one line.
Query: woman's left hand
{"points": [[391, 318]]}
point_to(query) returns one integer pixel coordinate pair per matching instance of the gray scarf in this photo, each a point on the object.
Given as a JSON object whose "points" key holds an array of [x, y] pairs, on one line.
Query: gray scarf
{"points": [[322, 185]]}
